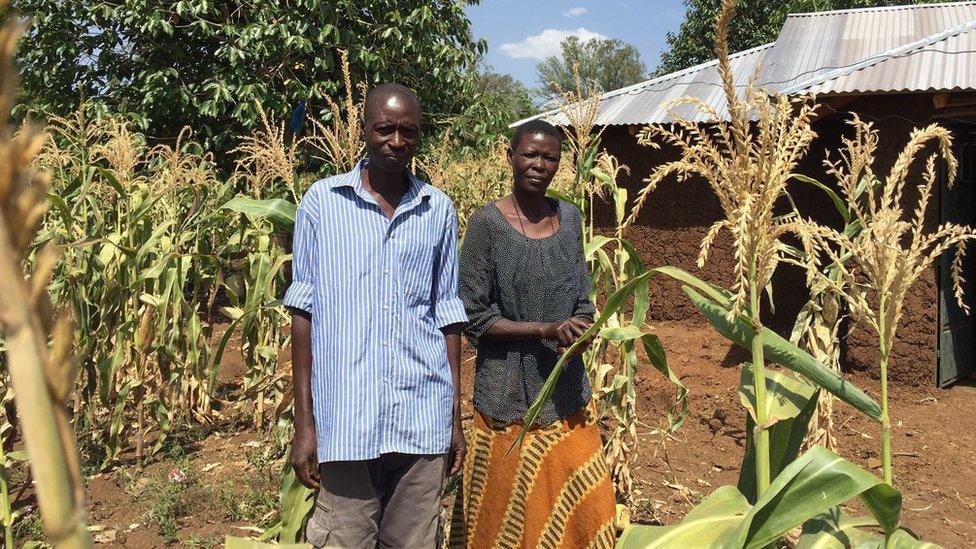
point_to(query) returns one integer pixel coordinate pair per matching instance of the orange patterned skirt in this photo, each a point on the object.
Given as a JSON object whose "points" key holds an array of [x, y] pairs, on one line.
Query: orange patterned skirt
{"points": [[553, 492]]}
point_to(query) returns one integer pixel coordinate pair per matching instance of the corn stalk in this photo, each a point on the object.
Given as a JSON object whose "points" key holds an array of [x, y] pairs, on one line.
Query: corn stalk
{"points": [[41, 376], [747, 165], [589, 180], [143, 247], [876, 266]]}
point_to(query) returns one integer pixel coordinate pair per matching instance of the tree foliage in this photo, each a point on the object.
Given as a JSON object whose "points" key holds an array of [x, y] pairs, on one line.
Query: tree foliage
{"points": [[210, 63], [608, 64], [757, 22]]}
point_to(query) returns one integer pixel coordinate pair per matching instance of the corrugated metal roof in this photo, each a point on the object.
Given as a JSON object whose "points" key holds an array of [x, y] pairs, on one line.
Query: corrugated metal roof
{"points": [[889, 49], [944, 61], [646, 103], [871, 50]]}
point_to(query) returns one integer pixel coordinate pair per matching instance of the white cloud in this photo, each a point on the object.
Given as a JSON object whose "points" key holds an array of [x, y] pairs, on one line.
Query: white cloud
{"points": [[546, 43], [574, 12]]}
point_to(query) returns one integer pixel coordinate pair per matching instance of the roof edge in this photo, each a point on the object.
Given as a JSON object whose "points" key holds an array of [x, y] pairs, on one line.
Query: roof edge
{"points": [[880, 8], [652, 81]]}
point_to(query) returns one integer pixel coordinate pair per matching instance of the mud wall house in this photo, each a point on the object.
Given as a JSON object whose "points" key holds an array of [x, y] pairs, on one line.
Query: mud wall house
{"points": [[898, 67]]}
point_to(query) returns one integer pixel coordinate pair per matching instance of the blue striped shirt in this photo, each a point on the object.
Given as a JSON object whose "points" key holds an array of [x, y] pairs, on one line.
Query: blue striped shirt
{"points": [[378, 290]]}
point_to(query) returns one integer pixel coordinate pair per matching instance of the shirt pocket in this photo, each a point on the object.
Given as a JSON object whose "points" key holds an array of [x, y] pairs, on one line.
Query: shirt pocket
{"points": [[415, 255]]}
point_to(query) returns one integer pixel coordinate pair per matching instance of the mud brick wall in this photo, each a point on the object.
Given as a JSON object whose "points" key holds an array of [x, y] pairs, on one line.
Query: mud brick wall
{"points": [[677, 215]]}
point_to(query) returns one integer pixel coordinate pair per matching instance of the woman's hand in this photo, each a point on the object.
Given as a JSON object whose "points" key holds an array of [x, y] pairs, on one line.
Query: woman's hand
{"points": [[567, 331]]}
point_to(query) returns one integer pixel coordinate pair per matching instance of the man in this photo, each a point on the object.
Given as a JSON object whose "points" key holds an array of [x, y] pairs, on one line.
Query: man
{"points": [[376, 342]]}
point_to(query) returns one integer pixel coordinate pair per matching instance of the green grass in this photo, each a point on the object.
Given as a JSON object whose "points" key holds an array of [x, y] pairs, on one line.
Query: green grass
{"points": [[29, 528]]}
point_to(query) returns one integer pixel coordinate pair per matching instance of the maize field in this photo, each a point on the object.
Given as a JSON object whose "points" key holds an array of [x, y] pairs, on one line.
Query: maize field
{"points": [[146, 346]]}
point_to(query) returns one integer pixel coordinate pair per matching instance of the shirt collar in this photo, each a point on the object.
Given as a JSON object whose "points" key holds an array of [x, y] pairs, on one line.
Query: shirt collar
{"points": [[417, 190]]}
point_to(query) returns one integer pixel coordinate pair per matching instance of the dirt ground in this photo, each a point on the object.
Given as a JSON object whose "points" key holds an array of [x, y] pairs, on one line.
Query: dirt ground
{"points": [[225, 483]]}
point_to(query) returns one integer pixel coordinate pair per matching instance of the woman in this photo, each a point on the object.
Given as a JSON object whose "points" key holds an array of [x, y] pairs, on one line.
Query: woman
{"points": [[525, 285]]}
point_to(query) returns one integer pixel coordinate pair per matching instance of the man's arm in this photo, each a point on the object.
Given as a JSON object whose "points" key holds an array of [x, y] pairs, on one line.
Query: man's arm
{"points": [[304, 457], [300, 299], [452, 337]]}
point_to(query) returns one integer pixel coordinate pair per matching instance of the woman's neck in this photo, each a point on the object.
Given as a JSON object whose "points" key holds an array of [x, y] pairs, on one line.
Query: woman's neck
{"points": [[533, 205]]}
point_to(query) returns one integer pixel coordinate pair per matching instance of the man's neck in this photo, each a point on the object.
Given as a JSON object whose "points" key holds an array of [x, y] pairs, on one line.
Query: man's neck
{"points": [[385, 183]]}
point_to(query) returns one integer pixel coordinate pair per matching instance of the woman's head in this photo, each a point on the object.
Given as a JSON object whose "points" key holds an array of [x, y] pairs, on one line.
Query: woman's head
{"points": [[534, 153]]}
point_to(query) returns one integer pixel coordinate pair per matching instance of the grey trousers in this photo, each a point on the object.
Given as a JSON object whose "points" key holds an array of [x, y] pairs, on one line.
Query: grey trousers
{"points": [[391, 501]]}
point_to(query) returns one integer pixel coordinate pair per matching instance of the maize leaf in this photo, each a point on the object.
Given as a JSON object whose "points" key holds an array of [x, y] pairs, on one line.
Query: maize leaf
{"points": [[834, 529], [280, 212], [784, 353], [790, 403], [817, 481]]}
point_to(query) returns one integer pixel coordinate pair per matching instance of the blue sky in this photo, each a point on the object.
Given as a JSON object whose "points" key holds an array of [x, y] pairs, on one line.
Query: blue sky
{"points": [[521, 33]]}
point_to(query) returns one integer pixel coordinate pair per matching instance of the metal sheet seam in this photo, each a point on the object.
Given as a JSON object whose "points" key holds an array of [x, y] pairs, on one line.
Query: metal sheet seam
{"points": [[880, 57]]}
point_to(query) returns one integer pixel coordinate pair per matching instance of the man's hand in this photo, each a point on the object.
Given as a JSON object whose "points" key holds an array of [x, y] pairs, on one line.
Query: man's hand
{"points": [[303, 456], [458, 446]]}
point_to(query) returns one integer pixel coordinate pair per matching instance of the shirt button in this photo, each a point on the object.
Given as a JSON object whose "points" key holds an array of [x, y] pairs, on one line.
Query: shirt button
{"points": [[386, 307]]}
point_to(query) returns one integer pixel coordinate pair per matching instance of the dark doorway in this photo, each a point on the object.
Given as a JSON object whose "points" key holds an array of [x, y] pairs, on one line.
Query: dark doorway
{"points": [[957, 330]]}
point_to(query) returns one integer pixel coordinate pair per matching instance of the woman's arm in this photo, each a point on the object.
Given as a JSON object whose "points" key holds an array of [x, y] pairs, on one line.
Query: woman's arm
{"points": [[566, 332], [485, 321]]}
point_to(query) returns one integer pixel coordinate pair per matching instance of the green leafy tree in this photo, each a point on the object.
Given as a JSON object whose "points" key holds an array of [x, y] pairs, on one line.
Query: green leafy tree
{"points": [[510, 96], [607, 64], [757, 22], [209, 64], [500, 100]]}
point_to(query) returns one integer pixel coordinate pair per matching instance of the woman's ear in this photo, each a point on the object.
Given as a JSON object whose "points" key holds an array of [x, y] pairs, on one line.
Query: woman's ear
{"points": [[510, 154]]}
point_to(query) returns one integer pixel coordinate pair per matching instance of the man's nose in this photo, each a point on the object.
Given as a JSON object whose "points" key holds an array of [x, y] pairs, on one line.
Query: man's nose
{"points": [[397, 141]]}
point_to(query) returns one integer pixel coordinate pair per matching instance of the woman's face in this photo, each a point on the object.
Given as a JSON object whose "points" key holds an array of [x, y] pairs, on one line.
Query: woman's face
{"points": [[534, 162]]}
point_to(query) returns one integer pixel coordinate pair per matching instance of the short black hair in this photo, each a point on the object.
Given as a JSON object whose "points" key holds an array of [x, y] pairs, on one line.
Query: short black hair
{"points": [[535, 127], [383, 92]]}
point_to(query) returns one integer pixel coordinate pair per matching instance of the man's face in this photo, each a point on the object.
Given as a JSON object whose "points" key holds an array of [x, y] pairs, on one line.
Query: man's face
{"points": [[392, 133]]}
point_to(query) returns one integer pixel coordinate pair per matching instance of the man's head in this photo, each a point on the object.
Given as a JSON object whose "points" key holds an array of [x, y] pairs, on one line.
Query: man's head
{"points": [[391, 127]]}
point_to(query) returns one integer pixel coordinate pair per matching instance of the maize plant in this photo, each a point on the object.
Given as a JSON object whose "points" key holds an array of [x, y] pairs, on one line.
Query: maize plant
{"points": [[263, 323], [747, 165], [893, 247], [472, 180], [142, 253], [817, 326], [41, 375]]}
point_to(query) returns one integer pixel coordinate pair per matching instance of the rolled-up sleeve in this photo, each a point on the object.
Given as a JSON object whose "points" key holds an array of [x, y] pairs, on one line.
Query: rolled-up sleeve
{"points": [[447, 307], [477, 277], [301, 293]]}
